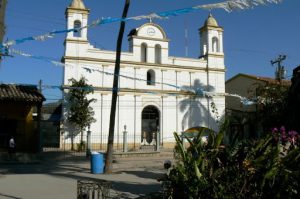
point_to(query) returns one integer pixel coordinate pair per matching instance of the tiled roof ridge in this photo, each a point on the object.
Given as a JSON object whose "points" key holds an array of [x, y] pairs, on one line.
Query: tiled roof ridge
{"points": [[268, 79], [261, 78], [15, 92]]}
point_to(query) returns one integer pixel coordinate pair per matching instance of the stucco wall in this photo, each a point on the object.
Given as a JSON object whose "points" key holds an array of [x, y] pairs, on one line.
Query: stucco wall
{"points": [[178, 110]]}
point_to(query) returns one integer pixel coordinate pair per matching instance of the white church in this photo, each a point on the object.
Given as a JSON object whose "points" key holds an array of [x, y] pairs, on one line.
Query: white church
{"points": [[155, 95]]}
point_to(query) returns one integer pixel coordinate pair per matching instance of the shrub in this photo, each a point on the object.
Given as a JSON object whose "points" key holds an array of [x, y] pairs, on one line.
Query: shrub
{"points": [[81, 146], [264, 168]]}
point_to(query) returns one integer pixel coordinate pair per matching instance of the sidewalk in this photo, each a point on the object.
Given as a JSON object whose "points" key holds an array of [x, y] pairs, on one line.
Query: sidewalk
{"points": [[56, 176]]}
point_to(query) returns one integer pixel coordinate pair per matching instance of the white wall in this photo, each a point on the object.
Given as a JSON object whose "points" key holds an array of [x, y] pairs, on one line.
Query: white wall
{"points": [[177, 110]]}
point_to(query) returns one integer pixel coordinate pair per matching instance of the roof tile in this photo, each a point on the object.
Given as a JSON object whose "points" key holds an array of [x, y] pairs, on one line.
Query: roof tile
{"points": [[12, 92]]}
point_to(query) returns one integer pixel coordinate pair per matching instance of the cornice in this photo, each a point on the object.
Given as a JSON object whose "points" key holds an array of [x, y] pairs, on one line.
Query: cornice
{"points": [[219, 55], [77, 41], [77, 10], [149, 38], [143, 64], [204, 28], [138, 92], [151, 47]]}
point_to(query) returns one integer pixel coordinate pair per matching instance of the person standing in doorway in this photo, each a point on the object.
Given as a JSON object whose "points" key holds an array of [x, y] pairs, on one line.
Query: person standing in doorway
{"points": [[11, 146]]}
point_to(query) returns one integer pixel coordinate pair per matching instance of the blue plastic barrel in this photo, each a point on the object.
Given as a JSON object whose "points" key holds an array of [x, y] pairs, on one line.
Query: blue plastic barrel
{"points": [[97, 163]]}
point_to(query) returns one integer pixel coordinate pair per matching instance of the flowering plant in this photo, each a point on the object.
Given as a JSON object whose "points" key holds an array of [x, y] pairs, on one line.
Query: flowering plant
{"points": [[283, 137]]}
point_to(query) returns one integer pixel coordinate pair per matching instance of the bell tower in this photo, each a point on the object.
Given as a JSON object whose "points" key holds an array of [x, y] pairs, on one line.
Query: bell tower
{"points": [[211, 38], [77, 17]]}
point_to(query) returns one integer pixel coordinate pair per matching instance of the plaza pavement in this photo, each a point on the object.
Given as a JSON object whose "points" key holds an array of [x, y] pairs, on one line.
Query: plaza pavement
{"points": [[55, 176]]}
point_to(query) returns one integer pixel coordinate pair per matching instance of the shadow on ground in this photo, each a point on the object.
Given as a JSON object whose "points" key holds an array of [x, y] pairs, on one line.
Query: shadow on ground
{"points": [[8, 196], [127, 183]]}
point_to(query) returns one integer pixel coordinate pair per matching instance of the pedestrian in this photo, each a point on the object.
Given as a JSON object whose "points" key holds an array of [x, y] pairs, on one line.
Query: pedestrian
{"points": [[11, 146]]}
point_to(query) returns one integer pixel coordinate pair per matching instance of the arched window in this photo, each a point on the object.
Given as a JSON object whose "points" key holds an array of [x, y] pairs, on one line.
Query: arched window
{"points": [[157, 54], [215, 44], [77, 25], [150, 77], [144, 52]]}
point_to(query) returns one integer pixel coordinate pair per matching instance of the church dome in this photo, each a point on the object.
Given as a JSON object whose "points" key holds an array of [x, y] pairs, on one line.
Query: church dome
{"points": [[211, 21], [77, 4]]}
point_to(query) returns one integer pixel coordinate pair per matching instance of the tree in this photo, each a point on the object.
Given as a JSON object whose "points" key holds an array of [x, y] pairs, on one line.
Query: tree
{"points": [[272, 99], [293, 105], [80, 113], [110, 143]]}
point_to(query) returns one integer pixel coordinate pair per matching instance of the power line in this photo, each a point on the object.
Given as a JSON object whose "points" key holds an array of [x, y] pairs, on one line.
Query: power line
{"points": [[44, 21], [10, 26], [21, 12]]}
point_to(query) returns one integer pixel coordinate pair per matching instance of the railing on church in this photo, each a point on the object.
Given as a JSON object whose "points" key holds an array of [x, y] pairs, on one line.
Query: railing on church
{"points": [[132, 143]]}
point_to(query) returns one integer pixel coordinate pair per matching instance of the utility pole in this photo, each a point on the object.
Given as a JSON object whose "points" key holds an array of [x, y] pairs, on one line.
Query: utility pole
{"points": [[39, 115], [110, 143], [280, 72]]}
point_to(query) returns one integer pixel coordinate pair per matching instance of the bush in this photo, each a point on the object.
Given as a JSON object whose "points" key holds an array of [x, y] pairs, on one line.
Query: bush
{"points": [[81, 146], [266, 168]]}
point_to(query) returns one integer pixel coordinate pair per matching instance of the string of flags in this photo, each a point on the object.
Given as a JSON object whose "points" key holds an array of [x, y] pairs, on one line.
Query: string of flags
{"points": [[42, 58], [228, 6], [199, 91]]}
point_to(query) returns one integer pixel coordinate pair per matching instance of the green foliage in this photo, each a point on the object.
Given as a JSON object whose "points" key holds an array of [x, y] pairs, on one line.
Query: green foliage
{"points": [[248, 169], [272, 100], [80, 113], [81, 146]]}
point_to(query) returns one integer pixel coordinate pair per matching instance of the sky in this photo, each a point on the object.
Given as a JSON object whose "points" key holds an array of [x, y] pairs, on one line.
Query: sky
{"points": [[252, 38]]}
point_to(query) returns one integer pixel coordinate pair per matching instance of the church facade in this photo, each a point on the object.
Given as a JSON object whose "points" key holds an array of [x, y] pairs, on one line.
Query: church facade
{"points": [[157, 92]]}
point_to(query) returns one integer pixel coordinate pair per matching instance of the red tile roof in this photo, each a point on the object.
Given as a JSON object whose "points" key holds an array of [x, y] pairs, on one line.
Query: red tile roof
{"points": [[268, 80], [11, 92]]}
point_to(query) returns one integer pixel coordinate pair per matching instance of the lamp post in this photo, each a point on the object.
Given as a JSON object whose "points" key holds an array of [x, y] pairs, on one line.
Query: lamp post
{"points": [[157, 139], [125, 149], [88, 139]]}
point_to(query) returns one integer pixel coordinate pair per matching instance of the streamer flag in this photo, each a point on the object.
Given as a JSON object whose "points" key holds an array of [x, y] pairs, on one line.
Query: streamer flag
{"points": [[229, 6], [233, 5], [46, 59], [199, 91]]}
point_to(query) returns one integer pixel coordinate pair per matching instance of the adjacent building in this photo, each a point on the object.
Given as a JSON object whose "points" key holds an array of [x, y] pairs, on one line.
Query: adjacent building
{"points": [[244, 117], [157, 92], [17, 104], [51, 125]]}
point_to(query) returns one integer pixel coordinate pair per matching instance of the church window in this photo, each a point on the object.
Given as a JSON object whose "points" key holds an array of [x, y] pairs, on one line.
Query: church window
{"points": [[150, 77], [215, 45], [144, 52], [77, 26], [157, 54]]}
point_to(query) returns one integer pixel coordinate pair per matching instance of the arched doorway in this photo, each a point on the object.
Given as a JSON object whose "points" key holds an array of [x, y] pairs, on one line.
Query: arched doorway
{"points": [[150, 124]]}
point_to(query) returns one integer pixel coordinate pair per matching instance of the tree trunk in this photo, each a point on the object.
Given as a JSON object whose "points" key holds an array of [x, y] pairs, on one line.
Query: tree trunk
{"points": [[81, 135], [110, 143], [72, 141]]}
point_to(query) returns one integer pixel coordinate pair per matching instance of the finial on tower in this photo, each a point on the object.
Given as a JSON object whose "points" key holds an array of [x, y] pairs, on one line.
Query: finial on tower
{"points": [[211, 21]]}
